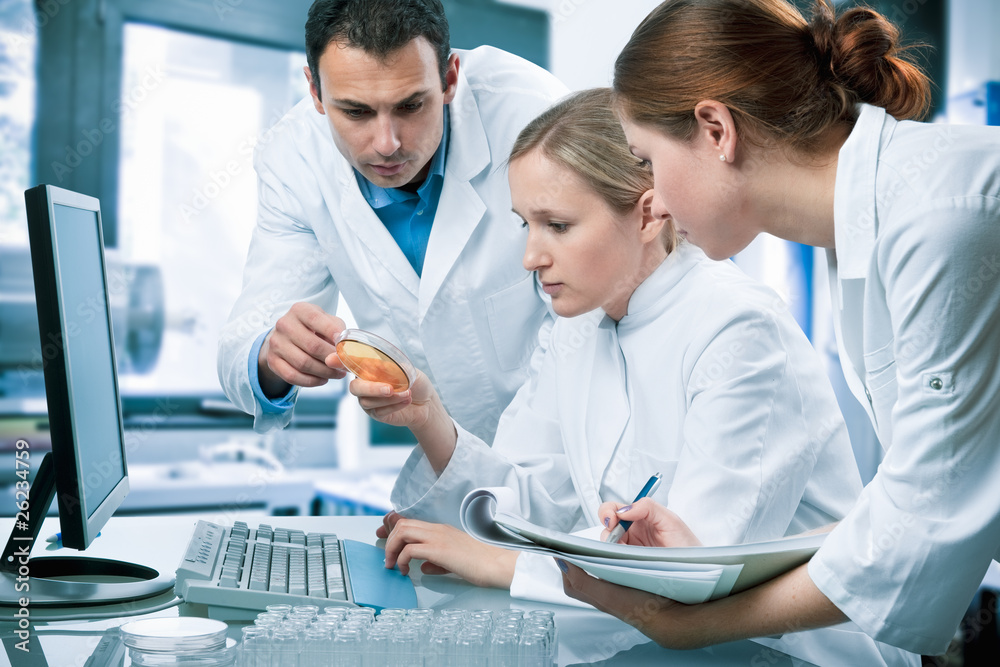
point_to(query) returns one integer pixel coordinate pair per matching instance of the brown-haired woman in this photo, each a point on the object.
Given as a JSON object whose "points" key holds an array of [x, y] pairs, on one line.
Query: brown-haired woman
{"points": [[755, 120]]}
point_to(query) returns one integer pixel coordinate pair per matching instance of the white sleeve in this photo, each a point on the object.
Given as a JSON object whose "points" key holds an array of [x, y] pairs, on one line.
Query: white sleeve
{"points": [[750, 432], [527, 456], [536, 577], [906, 561], [285, 265]]}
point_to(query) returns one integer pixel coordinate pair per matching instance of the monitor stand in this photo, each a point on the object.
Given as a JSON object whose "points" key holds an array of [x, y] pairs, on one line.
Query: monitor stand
{"points": [[66, 581]]}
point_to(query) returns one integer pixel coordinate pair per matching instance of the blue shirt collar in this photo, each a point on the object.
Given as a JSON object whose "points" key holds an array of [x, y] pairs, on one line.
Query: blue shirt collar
{"points": [[378, 197]]}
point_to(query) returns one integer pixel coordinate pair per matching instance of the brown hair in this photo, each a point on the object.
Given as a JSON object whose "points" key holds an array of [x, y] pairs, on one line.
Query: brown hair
{"points": [[583, 134], [784, 80]]}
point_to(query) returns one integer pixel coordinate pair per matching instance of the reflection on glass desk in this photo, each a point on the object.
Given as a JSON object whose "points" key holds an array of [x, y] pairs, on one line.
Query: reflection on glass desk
{"points": [[585, 636]]}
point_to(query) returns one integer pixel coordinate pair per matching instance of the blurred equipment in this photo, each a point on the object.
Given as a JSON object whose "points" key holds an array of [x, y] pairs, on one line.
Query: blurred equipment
{"points": [[137, 313], [980, 106]]}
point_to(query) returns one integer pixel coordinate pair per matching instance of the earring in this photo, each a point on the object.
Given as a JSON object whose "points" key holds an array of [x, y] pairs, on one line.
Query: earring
{"points": [[722, 157]]}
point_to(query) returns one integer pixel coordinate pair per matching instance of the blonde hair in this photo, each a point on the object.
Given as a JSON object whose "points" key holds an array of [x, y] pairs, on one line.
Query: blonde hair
{"points": [[784, 79], [583, 134]]}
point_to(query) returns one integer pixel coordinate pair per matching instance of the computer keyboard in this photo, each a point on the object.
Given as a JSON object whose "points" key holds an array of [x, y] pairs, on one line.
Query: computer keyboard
{"points": [[238, 570]]}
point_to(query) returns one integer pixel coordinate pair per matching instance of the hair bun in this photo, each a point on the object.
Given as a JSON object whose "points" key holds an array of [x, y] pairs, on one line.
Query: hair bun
{"points": [[821, 29], [865, 59]]}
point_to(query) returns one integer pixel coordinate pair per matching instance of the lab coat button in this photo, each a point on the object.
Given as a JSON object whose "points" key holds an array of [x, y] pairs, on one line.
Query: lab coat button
{"points": [[868, 395], [936, 383]]}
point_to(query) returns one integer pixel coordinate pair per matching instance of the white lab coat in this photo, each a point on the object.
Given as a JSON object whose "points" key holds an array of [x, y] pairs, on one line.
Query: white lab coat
{"points": [[471, 321], [707, 380], [917, 314]]}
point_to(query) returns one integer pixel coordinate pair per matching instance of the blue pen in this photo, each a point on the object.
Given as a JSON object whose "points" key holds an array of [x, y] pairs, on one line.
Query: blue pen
{"points": [[647, 490]]}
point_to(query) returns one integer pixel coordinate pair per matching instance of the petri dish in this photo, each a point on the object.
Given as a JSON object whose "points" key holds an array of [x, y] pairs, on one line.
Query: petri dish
{"points": [[375, 359], [223, 656], [183, 634]]}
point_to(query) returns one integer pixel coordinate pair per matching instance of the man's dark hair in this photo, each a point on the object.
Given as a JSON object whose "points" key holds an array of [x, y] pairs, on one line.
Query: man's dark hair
{"points": [[377, 27]]}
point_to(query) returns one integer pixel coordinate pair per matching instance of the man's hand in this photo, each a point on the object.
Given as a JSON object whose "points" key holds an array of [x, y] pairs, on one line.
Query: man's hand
{"points": [[296, 350]]}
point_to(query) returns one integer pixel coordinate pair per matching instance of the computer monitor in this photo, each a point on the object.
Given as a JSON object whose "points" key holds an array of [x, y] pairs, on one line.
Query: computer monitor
{"points": [[366, 444], [86, 470]]}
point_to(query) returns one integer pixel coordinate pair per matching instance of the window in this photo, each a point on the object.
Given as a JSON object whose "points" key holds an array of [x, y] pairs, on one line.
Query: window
{"points": [[18, 42], [193, 108]]}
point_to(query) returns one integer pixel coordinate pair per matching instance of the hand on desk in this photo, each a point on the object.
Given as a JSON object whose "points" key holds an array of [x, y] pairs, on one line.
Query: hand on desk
{"points": [[297, 349], [445, 550], [653, 525]]}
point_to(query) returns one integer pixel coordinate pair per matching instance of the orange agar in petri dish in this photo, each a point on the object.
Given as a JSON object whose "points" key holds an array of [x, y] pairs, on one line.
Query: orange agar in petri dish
{"points": [[374, 359]]}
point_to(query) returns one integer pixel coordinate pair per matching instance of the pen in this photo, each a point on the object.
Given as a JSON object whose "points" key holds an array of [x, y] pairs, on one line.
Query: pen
{"points": [[647, 490]]}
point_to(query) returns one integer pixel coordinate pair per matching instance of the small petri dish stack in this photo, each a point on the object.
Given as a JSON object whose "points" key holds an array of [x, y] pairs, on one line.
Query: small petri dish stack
{"points": [[375, 359], [179, 642]]}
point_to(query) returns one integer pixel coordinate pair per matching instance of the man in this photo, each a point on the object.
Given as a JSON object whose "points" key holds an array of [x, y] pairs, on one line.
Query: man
{"points": [[394, 195]]}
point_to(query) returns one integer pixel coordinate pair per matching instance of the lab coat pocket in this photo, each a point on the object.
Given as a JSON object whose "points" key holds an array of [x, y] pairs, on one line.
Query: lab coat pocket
{"points": [[881, 387], [511, 312]]}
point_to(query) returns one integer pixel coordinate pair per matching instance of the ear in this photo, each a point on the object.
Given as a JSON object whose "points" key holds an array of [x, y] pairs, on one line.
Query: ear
{"points": [[313, 90], [451, 79], [716, 130], [651, 220]]}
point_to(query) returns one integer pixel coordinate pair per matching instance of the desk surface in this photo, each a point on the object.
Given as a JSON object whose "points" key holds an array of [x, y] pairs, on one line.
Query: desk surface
{"points": [[585, 637]]}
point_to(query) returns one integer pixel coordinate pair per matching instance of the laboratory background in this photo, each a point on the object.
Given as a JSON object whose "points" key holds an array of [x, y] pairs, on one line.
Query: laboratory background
{"points": [[155, 108]]}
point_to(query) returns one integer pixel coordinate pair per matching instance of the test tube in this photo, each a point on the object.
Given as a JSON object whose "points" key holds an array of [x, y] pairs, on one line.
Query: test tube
{"points": [[405, 647], [379, 644], [534, 649], [366, 615], [282, 609], [335, 612], [504, 647], [330, 623], [284, 648], [347, 645], [255, 648], [471, 646], [316, 647], [442, 646], [309, 610]]}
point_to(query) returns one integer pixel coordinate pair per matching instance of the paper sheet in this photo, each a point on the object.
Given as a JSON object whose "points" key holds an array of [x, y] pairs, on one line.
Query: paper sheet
{"points": [[686, 574]]}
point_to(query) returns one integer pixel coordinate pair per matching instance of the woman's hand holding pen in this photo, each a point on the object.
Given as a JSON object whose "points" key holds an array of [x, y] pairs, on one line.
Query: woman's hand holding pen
{"points": [[665, 621], [653, 525]]}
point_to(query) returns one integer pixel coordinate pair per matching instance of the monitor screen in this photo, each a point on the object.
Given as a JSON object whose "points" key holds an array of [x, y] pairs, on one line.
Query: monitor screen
{"points": [[86, 469], [88, 355], [81, 382]]}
